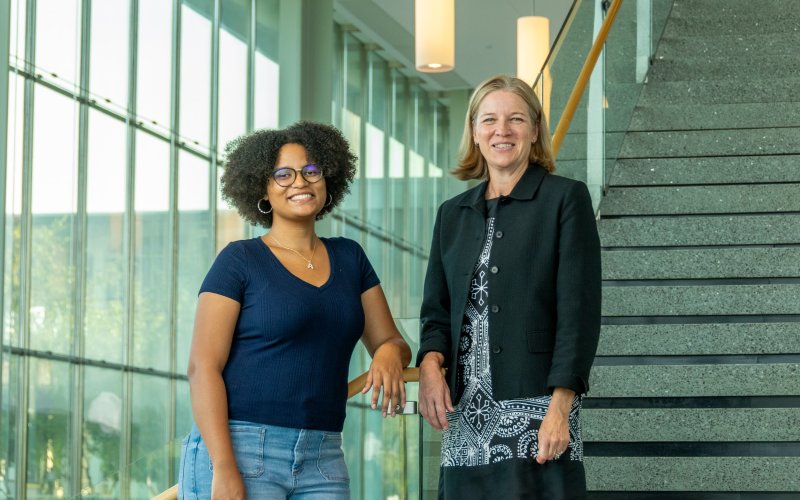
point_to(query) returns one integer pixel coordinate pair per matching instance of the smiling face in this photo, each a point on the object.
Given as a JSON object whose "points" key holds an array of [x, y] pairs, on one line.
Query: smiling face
{"points": [[301, 200], [504, 131]]}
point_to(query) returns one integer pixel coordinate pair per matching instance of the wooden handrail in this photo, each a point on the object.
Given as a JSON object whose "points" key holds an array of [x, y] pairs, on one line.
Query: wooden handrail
{"points": [[583, 78], [354, 387]]}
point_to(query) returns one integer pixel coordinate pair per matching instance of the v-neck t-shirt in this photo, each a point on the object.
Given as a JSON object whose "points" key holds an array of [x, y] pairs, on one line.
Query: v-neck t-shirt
{"points": [[292, 343]]}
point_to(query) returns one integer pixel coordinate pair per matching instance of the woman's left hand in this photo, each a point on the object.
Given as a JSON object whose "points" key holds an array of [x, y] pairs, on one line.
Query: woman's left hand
{"points": [[554, 431], [386, 373]]}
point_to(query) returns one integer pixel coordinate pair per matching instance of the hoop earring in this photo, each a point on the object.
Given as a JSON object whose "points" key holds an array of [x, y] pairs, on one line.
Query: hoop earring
{"points": [[330, 200], [258, 206]]}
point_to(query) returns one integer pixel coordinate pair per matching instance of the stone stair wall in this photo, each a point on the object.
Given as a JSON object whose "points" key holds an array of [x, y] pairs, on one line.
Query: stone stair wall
{"points": [[696, 388]]}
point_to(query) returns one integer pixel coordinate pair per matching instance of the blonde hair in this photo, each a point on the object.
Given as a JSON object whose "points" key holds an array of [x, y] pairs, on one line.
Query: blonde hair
{"points": [[471, 163]]}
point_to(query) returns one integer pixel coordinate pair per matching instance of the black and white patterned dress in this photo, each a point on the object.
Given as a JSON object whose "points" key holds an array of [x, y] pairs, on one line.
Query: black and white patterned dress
{"points": [[482, 430]]}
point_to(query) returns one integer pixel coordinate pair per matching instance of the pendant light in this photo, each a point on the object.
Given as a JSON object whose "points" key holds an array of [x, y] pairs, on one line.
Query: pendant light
{"points": [[434, 35], [533, 45]]}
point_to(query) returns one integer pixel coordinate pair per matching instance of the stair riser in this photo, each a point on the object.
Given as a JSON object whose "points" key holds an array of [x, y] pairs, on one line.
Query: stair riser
{"points": [[730, 46], [699, 339], [688, 425], [719, 116], [767, 229], [705, 68], [714, 170], [732, 199], [711, 143], [746, 90], [693, 474], [702, 263], [719, 300], [672, 381]]}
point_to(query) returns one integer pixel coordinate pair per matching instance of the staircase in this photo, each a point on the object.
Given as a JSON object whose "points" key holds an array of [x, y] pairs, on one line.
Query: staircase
{"points": [[696, 388]]}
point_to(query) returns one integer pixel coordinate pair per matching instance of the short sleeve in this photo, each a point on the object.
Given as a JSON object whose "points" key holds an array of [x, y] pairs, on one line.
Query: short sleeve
{"points": [[368, 276], [228, 273]]}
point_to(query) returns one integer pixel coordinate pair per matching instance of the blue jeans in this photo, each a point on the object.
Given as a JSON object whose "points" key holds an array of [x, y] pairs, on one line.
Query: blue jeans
{"points": [[275, 463]]}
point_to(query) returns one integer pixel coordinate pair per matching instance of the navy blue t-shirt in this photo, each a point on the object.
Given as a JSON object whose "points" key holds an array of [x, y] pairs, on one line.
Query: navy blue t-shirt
{"points": [[292, 343]]}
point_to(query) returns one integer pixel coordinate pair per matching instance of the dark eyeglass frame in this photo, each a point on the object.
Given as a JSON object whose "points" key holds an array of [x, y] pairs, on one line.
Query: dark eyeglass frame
{"points": [[303, 171]]}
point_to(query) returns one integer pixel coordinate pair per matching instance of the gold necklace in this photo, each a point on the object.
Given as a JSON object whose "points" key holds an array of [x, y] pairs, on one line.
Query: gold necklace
{"points": [[308, 261]]}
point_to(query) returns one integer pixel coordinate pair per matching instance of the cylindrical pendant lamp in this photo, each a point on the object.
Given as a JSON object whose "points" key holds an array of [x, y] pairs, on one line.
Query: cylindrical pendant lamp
{"points": [[533, 45], [435, 35]]}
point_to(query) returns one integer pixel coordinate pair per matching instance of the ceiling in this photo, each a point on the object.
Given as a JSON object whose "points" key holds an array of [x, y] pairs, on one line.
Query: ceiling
{"points": [[485, 34]]}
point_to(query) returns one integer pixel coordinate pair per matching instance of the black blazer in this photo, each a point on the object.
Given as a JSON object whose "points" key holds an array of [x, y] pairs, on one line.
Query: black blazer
{"points": [[544, 302]]}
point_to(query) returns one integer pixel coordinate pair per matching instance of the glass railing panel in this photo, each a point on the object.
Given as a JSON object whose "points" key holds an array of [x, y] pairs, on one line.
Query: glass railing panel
{"points": [[594, 139], [382, 454], [630, 46], [555, 87], [143, 478]]}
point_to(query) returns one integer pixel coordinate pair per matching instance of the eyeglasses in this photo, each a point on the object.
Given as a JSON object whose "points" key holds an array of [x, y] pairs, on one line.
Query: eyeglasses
{"points": [[284, 177]]}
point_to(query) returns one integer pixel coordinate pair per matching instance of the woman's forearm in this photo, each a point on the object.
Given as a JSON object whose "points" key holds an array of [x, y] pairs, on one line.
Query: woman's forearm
{"points": [[562, 400], [210, 410], [402, 349]]}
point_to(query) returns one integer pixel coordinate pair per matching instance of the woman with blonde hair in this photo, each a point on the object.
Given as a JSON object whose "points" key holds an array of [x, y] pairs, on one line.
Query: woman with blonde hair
{"points": [[511, 307]]}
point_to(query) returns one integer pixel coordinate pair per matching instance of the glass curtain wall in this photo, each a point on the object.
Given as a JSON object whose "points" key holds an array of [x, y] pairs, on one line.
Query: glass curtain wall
{"points": [[398, 131], [118, 113]]}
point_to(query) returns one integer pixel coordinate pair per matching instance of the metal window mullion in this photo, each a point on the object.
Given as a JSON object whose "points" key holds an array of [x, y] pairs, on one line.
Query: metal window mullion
{"points": [[23, 372], [386, 249], [79, 259], [337, 97], [5, 48], [125, 449], [214, 119], [251, 67], [174, 223], [5, 54], [362, 132], [407, 257]]}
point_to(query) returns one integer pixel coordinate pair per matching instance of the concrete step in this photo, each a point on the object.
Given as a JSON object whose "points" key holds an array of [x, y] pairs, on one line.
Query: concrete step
{"points": [[715, 199], [730, 46], [706, 170], [693, 474], [767, 229], [728, 8], [701, 300], [703, 263], [740, 142], [701, 18], [691, 424], [704, 339], [715, 116], [744, 90], [701, 67], [672, 381]]}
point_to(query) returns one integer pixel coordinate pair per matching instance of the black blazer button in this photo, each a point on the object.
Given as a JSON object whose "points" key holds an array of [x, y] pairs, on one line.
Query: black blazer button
{"points": [[496, 349], [494, 270], [498, 234], [495, 309]]}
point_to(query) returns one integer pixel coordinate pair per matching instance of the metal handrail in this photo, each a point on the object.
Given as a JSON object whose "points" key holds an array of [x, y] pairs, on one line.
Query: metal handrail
{"points": [[583, 78], [354, 388]]}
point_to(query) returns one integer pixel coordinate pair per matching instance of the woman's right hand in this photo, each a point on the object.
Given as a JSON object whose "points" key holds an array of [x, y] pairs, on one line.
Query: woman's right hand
{"points": [[434, 395], [227, 484]]}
